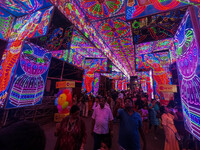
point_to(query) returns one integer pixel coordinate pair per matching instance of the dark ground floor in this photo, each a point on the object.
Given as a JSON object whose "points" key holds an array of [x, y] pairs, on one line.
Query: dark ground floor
{"points": [[152, 143]]}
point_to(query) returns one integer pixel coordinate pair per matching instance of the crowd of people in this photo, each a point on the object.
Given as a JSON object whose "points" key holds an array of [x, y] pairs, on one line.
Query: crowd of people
{"points": [[134, 110], [137, 114]]}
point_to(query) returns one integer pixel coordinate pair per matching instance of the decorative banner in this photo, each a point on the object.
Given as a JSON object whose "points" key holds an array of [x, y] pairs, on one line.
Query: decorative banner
{"points": [[141, 8], [30, 77], [31, 25], [146, 77], [167, 88], [25, 27], [160, 45], [23, 7], [57, 38], [76, 59], [92, 66], [165, 97], [77, 17], [159, 62], [96, 83], [70, 56], [65, 84], [7, 68], [6, 22], [84, 47], [156, 61], [157, 27], [144, 48], [120, 85], [62, 54], [188, 64]]}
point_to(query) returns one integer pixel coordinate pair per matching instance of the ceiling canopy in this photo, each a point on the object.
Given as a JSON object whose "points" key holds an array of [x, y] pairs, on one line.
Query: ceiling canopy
{"points": [[102, 28]]}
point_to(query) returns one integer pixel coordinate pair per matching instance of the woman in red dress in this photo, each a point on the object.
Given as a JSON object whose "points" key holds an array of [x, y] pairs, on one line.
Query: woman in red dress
{"points": [[71, 132]]}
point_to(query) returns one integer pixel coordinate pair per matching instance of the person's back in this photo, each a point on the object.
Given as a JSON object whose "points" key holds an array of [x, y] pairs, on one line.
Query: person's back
{"points": [[23, 135]]}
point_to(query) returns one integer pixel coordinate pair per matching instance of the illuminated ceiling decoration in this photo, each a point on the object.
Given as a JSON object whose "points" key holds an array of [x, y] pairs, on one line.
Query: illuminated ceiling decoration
{"points": [[103, 22], [61, 54], [113, 75], [193, 2], [115, 69], [124, 50], [23, 7], [113, 28], [84, 47], [76, 59], [116, 34], [141, 8], [6, 21], [59, 34], [156, 27], [154, 46], [77, 16], [144, 48], [98, 9], [121, 43]]}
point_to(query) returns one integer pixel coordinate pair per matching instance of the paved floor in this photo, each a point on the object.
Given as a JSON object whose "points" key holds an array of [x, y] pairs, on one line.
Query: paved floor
{"points": [[152, 144]]}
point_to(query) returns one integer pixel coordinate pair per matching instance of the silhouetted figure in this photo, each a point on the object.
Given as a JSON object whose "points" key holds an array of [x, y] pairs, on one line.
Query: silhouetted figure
{"points": [[23, 135]]}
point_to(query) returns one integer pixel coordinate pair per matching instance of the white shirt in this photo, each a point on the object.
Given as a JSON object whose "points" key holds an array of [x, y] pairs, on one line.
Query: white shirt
{"points": [[94, 105], [121, 95], [102, 118]]}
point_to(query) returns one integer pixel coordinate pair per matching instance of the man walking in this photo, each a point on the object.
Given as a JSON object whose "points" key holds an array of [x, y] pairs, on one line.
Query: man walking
{"points": [[101, 123], [130, 126]]}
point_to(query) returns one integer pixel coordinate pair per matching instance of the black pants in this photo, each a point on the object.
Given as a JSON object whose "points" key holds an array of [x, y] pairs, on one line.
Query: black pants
{"points": [[98, 139]]}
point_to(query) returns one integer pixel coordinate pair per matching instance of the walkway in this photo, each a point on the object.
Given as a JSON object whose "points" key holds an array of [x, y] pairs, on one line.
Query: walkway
{"points": [[152, 144]]}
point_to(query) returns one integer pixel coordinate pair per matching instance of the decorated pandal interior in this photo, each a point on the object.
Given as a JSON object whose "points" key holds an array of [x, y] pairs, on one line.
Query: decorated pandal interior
{"points": [[58, 48]]}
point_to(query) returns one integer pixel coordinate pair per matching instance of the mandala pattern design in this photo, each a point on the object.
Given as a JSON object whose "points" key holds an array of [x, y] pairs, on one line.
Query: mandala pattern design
{"points": [[114, 28], [119, 44], [102, 8]]}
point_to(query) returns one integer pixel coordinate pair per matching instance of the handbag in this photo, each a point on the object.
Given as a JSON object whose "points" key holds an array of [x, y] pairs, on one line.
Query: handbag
{"points": [[178, 137]]}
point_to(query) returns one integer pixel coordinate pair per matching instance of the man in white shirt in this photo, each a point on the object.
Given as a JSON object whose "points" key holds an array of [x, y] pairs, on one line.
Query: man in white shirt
{"points": [[121, 95], [101, 123]]}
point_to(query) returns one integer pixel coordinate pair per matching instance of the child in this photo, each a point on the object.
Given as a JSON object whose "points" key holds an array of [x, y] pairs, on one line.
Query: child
{"points": [[144, 112]]}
